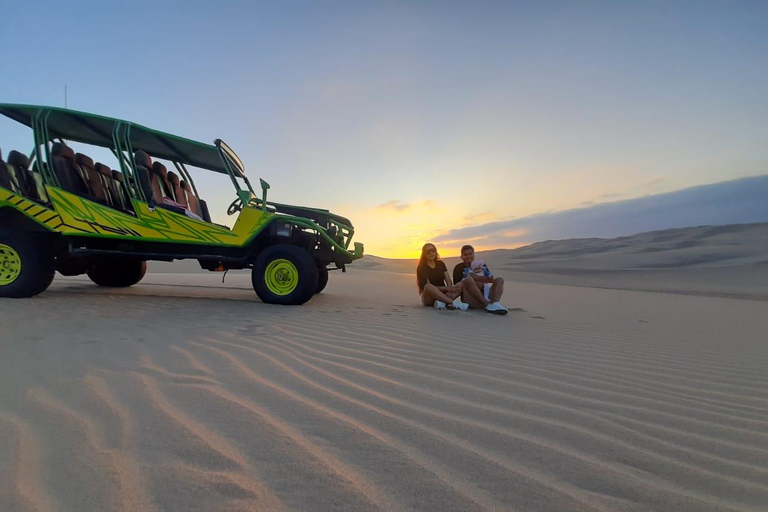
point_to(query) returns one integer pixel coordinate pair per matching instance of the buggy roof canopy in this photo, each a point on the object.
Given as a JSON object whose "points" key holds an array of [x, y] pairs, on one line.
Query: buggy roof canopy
{"points": [[97, 130]]}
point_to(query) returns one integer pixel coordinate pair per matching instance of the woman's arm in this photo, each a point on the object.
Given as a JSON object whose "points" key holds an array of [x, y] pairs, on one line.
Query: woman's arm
{"points": [[451, 287]]}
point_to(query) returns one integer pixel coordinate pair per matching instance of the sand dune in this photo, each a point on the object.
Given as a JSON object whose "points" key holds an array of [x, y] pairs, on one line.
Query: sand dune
{"points": [[705, 246], [185, 394]]}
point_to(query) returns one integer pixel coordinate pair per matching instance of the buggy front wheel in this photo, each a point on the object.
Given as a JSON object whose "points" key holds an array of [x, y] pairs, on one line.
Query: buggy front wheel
{"points": [[284, 274]]}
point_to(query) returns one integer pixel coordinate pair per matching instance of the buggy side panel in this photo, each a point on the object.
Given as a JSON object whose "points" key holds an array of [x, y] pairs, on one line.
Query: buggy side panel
{"points": [[44, 217], [83, 217]]}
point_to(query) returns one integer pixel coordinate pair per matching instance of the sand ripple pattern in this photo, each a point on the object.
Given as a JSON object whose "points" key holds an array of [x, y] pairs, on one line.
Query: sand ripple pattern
{"points": [[159, 404]]}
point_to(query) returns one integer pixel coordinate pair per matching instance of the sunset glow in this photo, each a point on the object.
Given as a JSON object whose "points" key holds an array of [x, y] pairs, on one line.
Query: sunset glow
{"points": [[397, 230]]}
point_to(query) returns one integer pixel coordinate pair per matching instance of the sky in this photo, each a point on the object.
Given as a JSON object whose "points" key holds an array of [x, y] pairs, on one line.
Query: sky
{"points": [[422, 119]]}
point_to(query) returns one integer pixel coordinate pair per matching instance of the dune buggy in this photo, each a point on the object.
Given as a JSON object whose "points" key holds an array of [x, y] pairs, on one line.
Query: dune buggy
{"points": [[61, 211]]}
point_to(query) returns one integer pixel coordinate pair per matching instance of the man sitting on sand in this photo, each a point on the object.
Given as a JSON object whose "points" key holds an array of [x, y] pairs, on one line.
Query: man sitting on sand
{"points": [[479, 272]]}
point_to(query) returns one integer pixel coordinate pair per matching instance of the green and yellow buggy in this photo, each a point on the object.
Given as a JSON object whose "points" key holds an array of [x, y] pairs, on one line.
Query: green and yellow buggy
{"points": [[61, 211]]}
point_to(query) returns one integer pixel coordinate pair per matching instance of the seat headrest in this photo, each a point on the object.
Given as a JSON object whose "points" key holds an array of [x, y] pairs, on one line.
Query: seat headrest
{"points": [[173, 178], [63, 151], [1, 154], [185, 186], [117, 175], [103, 170], [141, 158], [18, 159], [84, 160], [160, 169]]}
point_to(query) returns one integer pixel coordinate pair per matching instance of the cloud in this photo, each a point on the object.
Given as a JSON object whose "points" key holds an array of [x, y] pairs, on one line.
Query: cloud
{"points": [[400, 206], [616, 195], [479, 216], [394, 205], [730, 202], [657, 181]]}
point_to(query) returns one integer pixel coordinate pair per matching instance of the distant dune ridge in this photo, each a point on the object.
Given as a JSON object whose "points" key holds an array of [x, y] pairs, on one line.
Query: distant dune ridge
{"points": [[702, 246], [741, 201], [727, 260], [730, 245]]}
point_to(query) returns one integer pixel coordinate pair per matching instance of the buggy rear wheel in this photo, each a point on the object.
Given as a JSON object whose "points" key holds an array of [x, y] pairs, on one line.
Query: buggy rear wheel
{"points": [[117, 272], [284, 274], [26, 264], [322, 278]]}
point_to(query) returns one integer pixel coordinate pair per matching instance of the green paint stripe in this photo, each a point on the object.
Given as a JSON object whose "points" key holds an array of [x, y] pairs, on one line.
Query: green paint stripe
{"points": [[163, 240]]}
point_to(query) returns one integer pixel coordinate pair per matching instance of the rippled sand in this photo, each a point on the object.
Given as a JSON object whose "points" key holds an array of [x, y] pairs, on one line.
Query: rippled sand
{"points": [[185, 394]]}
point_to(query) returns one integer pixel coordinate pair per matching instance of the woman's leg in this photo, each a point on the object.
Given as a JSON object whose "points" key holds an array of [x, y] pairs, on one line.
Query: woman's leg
{"points": [[431, 294], [452, 295], [472, 295]]}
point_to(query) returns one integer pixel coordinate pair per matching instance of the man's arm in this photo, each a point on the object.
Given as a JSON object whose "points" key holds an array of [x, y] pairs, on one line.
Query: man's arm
{"points": [[458, 273], [487, 276], [447, 278]]}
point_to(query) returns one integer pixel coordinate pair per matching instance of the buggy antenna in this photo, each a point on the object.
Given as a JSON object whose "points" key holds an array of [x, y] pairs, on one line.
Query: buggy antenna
{"points": [[65, 96]]}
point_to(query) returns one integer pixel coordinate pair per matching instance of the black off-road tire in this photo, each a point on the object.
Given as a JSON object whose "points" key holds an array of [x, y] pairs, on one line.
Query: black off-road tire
{"points": [[322, 278], [117, 272], [29, 259], [301, 270], [72, 266]]}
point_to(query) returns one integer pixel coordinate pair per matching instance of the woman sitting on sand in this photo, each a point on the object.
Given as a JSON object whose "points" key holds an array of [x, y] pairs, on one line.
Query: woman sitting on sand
{"points": [[435, 285]]}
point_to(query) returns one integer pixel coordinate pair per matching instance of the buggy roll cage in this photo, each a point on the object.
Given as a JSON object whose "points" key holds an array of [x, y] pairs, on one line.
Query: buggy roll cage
{"points": [[122, 138]]}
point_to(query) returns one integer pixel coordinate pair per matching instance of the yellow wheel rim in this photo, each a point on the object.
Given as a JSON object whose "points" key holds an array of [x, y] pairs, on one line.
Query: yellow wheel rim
{"points": [[10, 265], [281, 277]]}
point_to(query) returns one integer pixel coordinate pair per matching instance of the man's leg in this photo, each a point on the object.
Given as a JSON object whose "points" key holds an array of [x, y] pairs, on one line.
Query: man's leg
{"points": [[497, 289], [472, 295], [481, 285]]}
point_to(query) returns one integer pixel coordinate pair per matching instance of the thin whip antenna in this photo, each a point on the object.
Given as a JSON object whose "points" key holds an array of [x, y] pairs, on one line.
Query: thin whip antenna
{"points": [[65, 96]]}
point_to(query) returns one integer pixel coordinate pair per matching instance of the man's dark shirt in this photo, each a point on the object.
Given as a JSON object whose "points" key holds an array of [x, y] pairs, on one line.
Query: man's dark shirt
{"points": [[458, 272]]}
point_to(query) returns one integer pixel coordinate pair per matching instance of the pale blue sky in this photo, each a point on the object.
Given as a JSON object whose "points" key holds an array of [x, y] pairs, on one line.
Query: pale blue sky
{"points": [[466, 111]]}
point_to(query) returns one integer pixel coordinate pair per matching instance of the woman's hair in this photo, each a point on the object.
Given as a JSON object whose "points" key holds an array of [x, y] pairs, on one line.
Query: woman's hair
{"points": [[423, 260]]}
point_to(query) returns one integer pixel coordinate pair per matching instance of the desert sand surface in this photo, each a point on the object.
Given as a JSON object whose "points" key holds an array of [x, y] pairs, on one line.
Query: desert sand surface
{"points": [[186, 394]]}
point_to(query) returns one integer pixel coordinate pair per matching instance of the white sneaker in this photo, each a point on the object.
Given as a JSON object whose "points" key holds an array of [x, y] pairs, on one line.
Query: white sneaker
{"points": [[439, 305], [460, 305], [497, 308]]}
